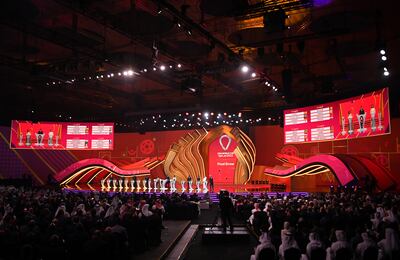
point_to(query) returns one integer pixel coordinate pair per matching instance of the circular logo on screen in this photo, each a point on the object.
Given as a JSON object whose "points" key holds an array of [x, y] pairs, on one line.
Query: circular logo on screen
{"points": [[147, 146], [225, 142], [290, 150]]}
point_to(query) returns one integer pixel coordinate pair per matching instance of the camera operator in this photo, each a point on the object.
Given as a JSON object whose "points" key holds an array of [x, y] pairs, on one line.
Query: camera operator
{"points": [[226, 206]]}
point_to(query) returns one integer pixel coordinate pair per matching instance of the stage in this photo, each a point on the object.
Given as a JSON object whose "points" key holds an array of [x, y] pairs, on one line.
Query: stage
{"points": [[235, 188]]}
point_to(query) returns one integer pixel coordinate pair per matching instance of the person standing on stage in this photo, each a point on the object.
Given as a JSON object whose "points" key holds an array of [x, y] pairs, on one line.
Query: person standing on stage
{"points": [[226, 206], [211, 181]]}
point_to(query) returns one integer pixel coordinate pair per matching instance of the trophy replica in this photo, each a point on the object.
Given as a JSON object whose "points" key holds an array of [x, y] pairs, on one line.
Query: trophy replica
{"points": [[126, 183], [50, 141], [380, 127], [163, 183], [149, 184], [108, 184], [39, 138], [155, 184], [343, 125], [121, 182], [28, 138], [183, 186], [205, 189], [198, 182], [361, 120], [138, 185], [144, 185], [350, 119], [190, 182], [115, 182], [173, 182], [132, 184], [102, 182], [21, 137], [372, 111]]}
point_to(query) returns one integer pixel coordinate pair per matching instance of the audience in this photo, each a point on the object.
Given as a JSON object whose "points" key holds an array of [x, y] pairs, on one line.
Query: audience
{"points": [[40, 223], [336, 225]]}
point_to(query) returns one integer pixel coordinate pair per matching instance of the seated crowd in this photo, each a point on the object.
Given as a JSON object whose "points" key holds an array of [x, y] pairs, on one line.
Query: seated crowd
{"points": [[344, 225], [54, 224]]}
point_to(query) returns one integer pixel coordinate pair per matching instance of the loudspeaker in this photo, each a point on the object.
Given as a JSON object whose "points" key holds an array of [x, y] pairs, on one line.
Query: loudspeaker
{"points": [[275, 21]]}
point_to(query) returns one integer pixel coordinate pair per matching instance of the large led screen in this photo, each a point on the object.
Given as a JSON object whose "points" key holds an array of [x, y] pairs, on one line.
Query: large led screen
{"points": [[361, 116], [62, 135]]}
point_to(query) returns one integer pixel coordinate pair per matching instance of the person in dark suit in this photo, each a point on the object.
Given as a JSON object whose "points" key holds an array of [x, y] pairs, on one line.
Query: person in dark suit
{"points": [[226, 206], [211, 181]]}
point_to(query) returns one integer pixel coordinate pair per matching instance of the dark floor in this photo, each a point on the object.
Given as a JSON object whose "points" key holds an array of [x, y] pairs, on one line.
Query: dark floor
{"points": [[221, 250], [173, 229]]}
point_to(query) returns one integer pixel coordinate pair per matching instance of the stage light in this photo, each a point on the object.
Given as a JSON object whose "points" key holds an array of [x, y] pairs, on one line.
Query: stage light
{"points": [[108, 76], [219, 115], [384, 58], [170, 66], [119, 73], [245, 69], [206, 114], [162, 68], [130, 72], [54, 83], [179, 25], [125, 73], [101, 76], [253, 75], [112, 74], [386, 73], [189, 32], [154, 68], [212, 113], [144, 70], [33, 111], [240, 114], [383, 52], [179, 65]]}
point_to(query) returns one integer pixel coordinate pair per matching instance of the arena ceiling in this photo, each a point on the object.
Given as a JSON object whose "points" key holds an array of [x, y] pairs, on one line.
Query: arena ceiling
{"points": [[57, 56]]}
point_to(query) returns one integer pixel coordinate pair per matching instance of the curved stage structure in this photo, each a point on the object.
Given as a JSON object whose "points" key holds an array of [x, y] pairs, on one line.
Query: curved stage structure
{"points": [[348, 169], [91, 171]]}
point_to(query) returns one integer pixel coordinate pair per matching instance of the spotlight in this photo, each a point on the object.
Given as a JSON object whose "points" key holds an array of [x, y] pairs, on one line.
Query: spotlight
{"points": [[125, 73], [206, 114], [383, 52], [130, 72], [386, 73], [245, 69], [162, 68], [144, 70], [154, 68], [179, 65], [119, 73], [112, 74], [253, 75], [384, 58]]}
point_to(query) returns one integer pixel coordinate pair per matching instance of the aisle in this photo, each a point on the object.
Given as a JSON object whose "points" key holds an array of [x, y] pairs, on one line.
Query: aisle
{"points": [[221, 250], [174, 228]]}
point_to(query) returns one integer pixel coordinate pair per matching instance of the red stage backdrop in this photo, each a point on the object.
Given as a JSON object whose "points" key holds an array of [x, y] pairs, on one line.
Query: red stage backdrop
{"points": [[61, 135], [361, 116], [222, 160]]}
